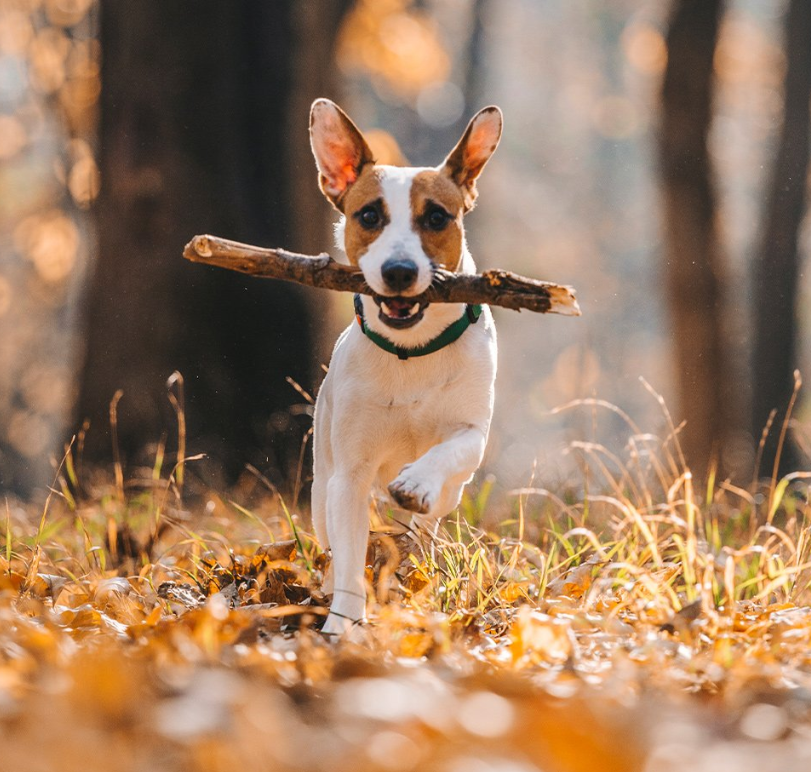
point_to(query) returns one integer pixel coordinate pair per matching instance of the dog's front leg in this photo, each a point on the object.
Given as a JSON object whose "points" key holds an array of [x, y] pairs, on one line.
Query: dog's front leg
{"points": [[433, 484], [348, 529]]}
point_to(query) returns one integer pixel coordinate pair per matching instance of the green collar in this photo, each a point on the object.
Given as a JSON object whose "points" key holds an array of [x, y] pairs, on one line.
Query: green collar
{"points": [[451, 333]]}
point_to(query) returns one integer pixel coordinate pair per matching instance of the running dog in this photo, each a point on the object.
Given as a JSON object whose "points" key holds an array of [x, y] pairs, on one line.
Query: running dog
{"points": [[406, 405]]}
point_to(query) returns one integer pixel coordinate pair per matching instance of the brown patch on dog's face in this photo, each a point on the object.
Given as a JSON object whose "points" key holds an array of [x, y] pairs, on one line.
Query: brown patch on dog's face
{"points": [[364, 196], [437, 206]]}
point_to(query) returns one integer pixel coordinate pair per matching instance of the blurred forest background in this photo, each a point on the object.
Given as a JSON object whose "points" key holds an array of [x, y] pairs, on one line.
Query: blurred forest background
{"points": [[655, 156]]}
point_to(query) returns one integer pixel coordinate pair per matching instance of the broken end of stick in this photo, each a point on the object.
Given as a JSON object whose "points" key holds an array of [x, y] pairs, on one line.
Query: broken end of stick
{"points": [[198, 247], [562, 300], [551, 298]]}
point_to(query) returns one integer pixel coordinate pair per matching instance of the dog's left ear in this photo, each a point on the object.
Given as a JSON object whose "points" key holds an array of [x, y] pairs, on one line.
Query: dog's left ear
{"points": [[339, 148], [473, 151]]}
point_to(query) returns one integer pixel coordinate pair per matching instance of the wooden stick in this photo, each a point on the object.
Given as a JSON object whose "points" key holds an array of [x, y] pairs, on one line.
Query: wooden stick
{"points": [[494, 287]]}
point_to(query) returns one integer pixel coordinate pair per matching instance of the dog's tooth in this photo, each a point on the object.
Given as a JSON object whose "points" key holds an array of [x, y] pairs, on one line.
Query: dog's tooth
{"points": [[386, 309], [414, 309]]}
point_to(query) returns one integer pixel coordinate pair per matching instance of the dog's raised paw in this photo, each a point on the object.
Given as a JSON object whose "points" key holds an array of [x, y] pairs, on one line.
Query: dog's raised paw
{"points": [[411, 494]]}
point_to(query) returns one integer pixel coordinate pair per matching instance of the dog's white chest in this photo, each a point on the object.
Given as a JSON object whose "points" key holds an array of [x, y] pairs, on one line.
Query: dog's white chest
{"points": [[395, 410]]}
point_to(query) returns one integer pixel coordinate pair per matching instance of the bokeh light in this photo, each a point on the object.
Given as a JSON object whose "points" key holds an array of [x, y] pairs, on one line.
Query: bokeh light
{"points": [[397, 44], [49, 89]]}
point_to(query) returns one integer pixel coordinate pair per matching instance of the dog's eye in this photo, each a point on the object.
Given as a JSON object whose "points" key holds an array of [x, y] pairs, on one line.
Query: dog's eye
{"points": [[436, 219], [369, 217]]}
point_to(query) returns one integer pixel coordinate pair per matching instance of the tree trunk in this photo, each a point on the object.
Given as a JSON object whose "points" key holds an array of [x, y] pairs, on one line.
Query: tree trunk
{"points": [[777, 259], [198, 134], [47, 181], [693, 261]]}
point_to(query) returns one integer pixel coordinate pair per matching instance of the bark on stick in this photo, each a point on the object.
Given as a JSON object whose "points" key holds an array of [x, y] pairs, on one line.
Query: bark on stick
{"points": [[494, 287]]}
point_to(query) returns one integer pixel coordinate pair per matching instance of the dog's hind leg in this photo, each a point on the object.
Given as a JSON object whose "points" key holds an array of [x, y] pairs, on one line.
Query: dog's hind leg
{"points": [[322, 471], [318, 506]]}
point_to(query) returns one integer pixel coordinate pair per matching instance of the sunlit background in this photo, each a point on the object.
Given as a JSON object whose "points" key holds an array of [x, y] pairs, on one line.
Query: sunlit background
{"points": [[571, 196], [49, 91]]}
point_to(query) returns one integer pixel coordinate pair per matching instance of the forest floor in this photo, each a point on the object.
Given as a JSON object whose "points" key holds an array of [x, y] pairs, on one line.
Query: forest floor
{"points": [[647, 626]]}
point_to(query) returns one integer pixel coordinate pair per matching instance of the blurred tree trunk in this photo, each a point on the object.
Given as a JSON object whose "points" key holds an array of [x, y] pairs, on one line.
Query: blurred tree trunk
{"points": [[46, 185], [693, 258], [204, 116], [474, 84], [469, 73], [777, 260]]}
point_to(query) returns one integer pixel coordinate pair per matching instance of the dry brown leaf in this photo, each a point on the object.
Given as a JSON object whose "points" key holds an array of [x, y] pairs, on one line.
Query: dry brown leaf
{"points": [[182, 595], [576, 582], [280, 550]]}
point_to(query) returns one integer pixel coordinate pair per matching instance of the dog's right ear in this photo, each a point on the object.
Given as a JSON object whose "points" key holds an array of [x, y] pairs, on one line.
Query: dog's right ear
{"points": [[339, 148]]}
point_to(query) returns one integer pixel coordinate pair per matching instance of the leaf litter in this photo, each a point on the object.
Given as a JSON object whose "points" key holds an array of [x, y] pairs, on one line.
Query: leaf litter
{"points": [[650, 628]]}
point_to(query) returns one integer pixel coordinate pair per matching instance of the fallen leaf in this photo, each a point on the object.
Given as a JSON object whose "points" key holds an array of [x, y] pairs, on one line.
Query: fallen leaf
{"points": [[576, 581]]}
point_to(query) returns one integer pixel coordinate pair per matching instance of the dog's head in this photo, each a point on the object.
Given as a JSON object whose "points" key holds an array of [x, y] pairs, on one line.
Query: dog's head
{"points": [[400, 223]]}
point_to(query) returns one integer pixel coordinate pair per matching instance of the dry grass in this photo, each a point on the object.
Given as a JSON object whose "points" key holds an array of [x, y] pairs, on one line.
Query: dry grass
{"points": [[647, 626]]}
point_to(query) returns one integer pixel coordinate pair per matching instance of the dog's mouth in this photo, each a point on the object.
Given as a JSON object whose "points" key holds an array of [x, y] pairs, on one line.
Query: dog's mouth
{"points": [[399, 312]]}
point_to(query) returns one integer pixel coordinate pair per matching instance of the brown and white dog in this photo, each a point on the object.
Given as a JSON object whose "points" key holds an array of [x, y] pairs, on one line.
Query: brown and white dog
{"points": [[407, 402]]}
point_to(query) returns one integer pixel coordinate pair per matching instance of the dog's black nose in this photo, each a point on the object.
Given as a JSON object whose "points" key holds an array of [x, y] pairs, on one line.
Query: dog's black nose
{"points": [[399, 273]]}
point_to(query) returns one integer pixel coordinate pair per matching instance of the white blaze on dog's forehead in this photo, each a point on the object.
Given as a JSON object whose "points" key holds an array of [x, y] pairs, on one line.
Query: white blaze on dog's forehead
{"points": [[399, 237], [396, 182]]}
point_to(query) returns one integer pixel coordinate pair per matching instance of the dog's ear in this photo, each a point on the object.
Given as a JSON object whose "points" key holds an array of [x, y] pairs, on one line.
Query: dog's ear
{"points": [[339, 148], [473, 151]]}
